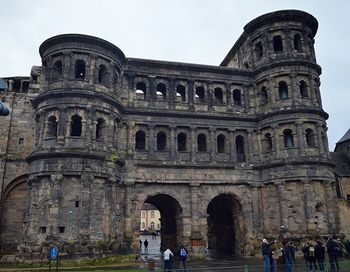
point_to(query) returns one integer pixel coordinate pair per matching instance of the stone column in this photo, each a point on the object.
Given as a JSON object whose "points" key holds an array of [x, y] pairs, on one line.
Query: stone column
{"points": [[61, 129], [196, 235], [276, 142], [256, 207], [171, 92], [281, 202], [92, 69], [246, 99], [312, 91], [260, 148], [130, 137], [172, 142], [294, 89], [308, 205], [193, 143], [331, 209], [212, 144], [301, 139], [319, 130], [231, 145], [190, 94], [151, 141], [249, 148], [127, 212], [86, 180], [272, 90], [54, 203]]}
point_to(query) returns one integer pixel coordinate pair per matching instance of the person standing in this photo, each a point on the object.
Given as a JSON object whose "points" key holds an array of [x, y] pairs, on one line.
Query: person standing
{"points": [[305, 250], [333, 250], [140, 245], [287, 257], [167, 256], [266, 251], [183, 256], [312, 257], [347, 247], [320, 252], [145, 243]]}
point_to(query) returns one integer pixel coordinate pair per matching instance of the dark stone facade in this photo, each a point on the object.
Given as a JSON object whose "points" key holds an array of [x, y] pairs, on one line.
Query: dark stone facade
{"points": [[229, 154]]}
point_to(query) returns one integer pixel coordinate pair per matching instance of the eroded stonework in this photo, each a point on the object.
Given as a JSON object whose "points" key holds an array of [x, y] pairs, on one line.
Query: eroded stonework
{"points": [[229, 154]]}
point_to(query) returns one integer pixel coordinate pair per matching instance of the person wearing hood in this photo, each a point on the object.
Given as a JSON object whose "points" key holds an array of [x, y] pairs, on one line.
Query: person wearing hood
{"points": [[266, 251]]}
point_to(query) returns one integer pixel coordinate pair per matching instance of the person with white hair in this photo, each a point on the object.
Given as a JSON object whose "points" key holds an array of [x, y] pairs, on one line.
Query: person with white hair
{"points": [[266, 251]]}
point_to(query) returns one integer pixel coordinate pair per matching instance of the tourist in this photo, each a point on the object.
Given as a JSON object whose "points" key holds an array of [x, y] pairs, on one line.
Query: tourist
{"points": [[312, 257], [292, 252], [320, 251], [266, 251], [287, 257], [145, 243], [183, 256], [140, 245], [305, 250], [347, 247], [167, 256], [333, 251]]}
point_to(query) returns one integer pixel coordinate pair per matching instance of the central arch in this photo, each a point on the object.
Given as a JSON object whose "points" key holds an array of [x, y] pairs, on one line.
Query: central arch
{"points": [[224, 223], [171, 220]]}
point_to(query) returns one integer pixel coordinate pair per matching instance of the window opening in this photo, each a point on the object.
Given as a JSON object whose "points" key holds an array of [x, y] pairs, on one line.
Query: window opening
{"points": [[77, 204], [283, 90], [56, 70], [181, 93], [42, 229], [221, 143], [303, 89], [181, 142], [52, 125], [267, 143], [288, 138], [200, 98], [140, 140], [80, 69], [277, 44], [297, 42], [161, 92], [219, 98], [103, 75], [236, 95], [161, 141], [61, 229], [310, 137], [100, 127], [20, 141], [240, 149], [202, 143], [141, 90], [263, 95], [76, 125], [258, 50]]}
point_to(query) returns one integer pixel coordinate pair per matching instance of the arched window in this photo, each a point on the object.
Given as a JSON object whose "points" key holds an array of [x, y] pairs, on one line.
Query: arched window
{"points": [[202, 143], [51, 127], [283, 90], [200, 97], [218, 95], [297, 42], [319, 208], [143, 214], [140, 140], [303, 89], [181, 142], [141, 90], [267, 142], [161, 141], [152, 226], [161, 92], [240, 149], [181, 93], [143, 225], [100, 128], [258, 49], [288, 138], [277, 43], [263, 95], [310, 137], [76, 125], [103, 74], [80, 69], [236, 95], [220, 143], [56, 70], [152, 214]]}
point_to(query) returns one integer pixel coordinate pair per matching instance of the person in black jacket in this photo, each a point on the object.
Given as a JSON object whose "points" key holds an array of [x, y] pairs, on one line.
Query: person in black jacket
{"points": [[320, 251], [266, 251], [333, 251]]}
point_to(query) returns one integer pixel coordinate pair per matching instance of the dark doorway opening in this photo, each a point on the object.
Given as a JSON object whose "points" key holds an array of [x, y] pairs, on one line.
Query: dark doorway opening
{"points": [[170, 220], [224, 215]]}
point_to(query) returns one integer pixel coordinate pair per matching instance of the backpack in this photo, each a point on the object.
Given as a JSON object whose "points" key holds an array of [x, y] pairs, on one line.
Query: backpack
{"points": [[311, 251], [183, 252]]}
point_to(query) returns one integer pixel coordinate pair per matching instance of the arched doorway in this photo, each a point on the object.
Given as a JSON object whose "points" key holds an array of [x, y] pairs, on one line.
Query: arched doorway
{"points": [[170, 220], [13, 209], [224, 224]]}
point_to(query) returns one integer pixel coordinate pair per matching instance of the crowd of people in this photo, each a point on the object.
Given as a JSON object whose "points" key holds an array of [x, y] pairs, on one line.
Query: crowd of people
{"points": [[282, 254]]}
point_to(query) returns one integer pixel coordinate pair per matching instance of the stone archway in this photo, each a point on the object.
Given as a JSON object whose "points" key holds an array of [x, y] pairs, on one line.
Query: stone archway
{"points": [[224, 224], [171, 220], [13, 207]]}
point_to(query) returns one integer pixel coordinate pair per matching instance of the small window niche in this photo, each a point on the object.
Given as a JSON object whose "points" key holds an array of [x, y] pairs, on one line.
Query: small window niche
{"points": [[258, 49], [161, 92], [77, 203], [297, 43], [80, 69], [219, 97], [61, 229], [277, 44], [181, 93], [42, 229], [200, 95], [21, 141], [141, 90]]}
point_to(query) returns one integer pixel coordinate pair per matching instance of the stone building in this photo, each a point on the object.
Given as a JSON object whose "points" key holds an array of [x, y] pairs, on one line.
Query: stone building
{"points": [[228, 154], [150, 218]]}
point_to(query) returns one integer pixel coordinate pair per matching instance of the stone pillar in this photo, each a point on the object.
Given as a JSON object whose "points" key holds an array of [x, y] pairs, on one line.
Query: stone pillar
{"points": [[301, 140], [256, 207], [130, 137], [151, 141], [275, 139], [92, 69], [246, 103], [127, 212], [282, 203], [193, 143], [308, 206], [294, 89], [86, 180], [172, 94], [212, 143], [249, 148], [331, 209], [312, 91], [61, 129], [190, 95], [260, 148], [54, 204], [172, 142], [319, 130], [272, 90], [231, 145], [196, 235]]}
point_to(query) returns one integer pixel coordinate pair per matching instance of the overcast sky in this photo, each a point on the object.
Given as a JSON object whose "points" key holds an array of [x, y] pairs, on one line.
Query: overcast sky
{"points": [[190, 31]]}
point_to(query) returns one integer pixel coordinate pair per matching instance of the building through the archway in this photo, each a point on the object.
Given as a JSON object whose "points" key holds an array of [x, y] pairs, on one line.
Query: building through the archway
{"points": [[228, 154]]}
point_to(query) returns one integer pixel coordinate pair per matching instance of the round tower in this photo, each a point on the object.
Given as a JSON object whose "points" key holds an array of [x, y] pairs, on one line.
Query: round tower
{"points": [[75, 167]]}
